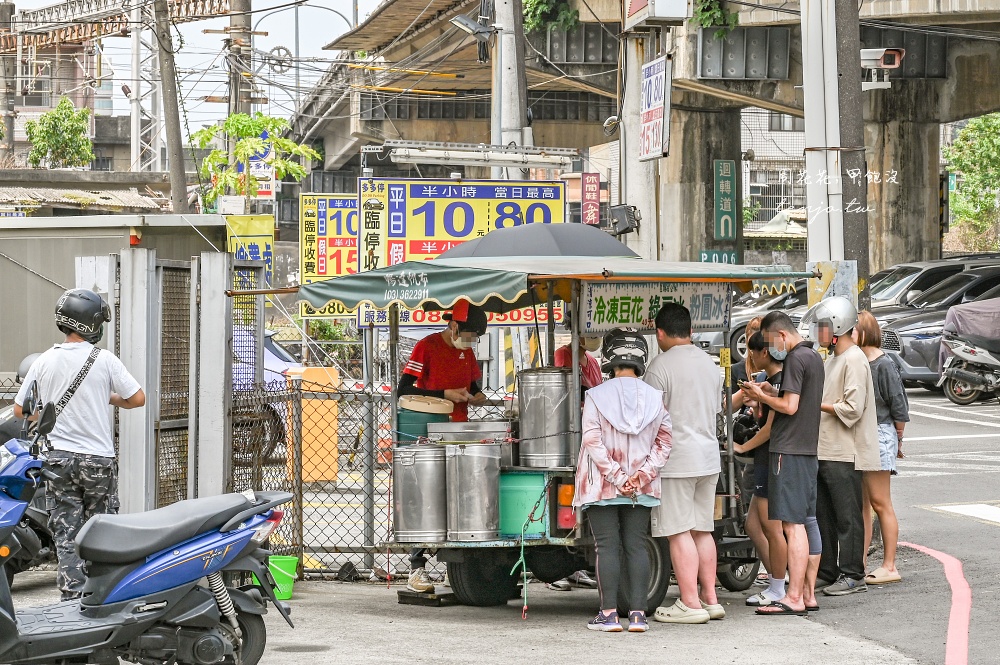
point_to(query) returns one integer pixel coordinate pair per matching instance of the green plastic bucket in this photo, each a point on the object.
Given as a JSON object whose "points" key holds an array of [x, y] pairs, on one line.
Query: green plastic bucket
{"points": [[518, 494], [413, 424], [283, 570]]}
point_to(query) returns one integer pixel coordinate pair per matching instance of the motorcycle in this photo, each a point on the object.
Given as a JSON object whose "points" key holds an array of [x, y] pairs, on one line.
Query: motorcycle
{"points": [[974, 368], [144, 600]]}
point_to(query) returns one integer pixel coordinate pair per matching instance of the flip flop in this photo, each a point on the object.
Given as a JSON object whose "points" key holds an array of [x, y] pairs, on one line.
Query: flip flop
{"points": [[882, 576], [783, 610], [812, 608]]}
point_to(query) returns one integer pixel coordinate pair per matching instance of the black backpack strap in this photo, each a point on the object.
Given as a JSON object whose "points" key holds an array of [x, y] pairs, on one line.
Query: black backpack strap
{"points": [[68, 395]]}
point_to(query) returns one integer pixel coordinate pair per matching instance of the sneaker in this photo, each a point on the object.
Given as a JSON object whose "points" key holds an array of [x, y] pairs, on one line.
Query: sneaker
{"points": [[560, 585], [845, 586], [606, 623], [637, 622], [420, 582], [715, 612], [822, 584], [681, 613], [583, 578]]}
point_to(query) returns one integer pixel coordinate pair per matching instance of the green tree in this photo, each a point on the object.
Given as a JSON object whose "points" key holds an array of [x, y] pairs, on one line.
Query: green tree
{"points": [[252, 135], [711, 14], [975, 207], [60, 138], [540, 15]]}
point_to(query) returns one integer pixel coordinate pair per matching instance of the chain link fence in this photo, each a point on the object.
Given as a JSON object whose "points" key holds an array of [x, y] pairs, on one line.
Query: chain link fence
{"points": [[174, 395]]}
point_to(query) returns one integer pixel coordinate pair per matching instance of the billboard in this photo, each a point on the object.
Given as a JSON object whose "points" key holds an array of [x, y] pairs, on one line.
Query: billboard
{"points": [[328, 244], [415, 220]]}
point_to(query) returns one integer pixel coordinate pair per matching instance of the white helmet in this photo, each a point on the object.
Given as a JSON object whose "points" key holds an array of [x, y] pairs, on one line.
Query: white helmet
{"points": [[624, 347], [838, 311]]}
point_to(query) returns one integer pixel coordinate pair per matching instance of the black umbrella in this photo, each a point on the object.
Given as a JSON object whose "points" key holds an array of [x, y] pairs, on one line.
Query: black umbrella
{"points": [[542, 240]]}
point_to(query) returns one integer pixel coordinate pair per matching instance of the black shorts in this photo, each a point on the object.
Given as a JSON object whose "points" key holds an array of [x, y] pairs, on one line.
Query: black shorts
{"points": [[792, 487], [760, 475]]}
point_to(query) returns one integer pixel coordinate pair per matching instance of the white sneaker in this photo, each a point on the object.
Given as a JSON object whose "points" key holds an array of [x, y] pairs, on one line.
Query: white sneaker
{"points": [[681, 613], [583, 578], [420, 582]]}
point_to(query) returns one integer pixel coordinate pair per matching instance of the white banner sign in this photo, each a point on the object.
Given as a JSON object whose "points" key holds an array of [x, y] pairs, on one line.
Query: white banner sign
{"points": [[607, 306], [654, 109]]}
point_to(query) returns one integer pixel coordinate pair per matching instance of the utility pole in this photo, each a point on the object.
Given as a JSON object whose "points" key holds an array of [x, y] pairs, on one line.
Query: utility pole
{"points": [[171, 110], [355, 13], [510, 85], [836, 190], [9, 76], [240, 54]]}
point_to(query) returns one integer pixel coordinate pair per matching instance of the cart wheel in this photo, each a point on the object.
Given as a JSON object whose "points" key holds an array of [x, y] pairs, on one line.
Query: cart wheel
{"points": [[659, 577], [551, 564], [738, 576], [483, 579]]}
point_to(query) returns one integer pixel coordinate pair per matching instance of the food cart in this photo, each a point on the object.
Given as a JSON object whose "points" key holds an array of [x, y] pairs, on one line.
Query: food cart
{"points": [[518, 509]]}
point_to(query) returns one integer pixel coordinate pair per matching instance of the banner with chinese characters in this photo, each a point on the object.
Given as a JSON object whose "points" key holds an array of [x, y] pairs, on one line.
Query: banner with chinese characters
{"points": [[590, 198], [725, 201], [251, 238], [611, 305], [328, 244], [415, 220]]}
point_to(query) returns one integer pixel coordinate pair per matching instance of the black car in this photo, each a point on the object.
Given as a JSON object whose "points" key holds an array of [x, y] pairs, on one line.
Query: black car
{"points": [[914, 343], [963, 287]]}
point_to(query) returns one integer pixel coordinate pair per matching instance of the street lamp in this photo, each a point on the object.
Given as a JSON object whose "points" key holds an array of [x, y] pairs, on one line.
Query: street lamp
{"points": [[478, 30]]}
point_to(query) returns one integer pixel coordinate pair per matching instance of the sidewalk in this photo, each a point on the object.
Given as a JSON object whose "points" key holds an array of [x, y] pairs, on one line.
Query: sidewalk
{"points": [[361, 623]]}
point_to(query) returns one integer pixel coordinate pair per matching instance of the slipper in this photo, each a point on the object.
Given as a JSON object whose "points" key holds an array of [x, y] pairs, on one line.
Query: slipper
{"points": [[812, 608], [882, 576], [783, 610]]}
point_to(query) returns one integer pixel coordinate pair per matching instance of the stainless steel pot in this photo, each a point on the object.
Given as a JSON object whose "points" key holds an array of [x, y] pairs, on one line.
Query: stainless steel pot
{"points": [[480, 431], [544, 402], [419, 498], [473, 491]]}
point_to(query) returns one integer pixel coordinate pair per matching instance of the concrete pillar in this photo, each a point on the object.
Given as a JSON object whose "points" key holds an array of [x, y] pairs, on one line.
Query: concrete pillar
{"points": [[638, 179], [698, 135], [903, 215]]}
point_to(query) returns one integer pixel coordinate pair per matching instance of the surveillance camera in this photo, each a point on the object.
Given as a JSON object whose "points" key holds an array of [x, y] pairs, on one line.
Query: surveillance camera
{"points": [[882, 58]]}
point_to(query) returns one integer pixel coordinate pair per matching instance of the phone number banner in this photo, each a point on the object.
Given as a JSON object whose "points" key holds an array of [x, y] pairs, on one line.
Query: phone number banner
{"points": [[610, 305], [415, 220], [328, 245]]}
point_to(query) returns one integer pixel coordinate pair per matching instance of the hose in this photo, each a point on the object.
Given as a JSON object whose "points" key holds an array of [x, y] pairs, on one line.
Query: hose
{"points": [[224, 601]]}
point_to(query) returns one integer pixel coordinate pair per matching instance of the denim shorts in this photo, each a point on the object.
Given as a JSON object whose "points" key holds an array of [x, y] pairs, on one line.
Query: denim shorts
{"points": [[888, 445]]}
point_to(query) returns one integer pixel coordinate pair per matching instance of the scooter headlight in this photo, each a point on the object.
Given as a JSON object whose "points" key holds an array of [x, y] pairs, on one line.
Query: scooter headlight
{"points": [[6, 457]]}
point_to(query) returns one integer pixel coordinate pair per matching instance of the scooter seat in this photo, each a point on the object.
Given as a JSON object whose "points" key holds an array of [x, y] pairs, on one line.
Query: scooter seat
{"points": [[988, 343], [121, 539]]}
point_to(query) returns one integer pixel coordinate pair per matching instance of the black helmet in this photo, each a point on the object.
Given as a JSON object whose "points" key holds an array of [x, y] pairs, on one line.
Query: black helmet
{"points": [[624, 347], [82, 312], [22, 369]]}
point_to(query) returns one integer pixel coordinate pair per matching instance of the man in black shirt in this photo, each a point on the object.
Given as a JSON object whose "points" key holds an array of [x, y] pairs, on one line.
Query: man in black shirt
{"points": [[794, 438]]}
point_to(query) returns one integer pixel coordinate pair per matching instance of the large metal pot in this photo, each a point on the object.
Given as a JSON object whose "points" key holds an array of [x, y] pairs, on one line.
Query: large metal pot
{"points": [[419, 498], [544, 401], [473, 491], [497, 431]]}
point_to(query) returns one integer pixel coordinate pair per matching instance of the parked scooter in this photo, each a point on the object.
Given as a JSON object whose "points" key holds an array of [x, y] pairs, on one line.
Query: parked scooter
{"points": [[973, 370], [143, 600]]}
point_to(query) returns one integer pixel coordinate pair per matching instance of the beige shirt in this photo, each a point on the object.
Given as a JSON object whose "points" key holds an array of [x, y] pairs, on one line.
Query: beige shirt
{"points": [[852, 434]]}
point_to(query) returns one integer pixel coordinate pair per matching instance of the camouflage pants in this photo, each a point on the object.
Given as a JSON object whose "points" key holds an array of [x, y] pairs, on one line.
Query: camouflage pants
{"points": [[87, 486]]}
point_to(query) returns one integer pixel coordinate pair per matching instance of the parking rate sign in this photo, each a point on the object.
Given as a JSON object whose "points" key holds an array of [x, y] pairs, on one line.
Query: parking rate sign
{"points": [[651, 109], [415, 220], [328, 244]]}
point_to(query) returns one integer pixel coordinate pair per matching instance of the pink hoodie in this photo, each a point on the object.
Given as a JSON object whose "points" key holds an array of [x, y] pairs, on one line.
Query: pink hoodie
{"points": [[626, 431]]}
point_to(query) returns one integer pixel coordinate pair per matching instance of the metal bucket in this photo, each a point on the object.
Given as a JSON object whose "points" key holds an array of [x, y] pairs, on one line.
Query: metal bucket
{"points": [[473, 491], [419, 499], [544, 402], [478, 432]]}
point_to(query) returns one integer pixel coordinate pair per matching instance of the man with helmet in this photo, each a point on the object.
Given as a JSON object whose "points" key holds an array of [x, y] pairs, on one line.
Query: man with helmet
{"points": [[444, 365], [691, 384], [626, 439], [848, 445], [84, 382]]}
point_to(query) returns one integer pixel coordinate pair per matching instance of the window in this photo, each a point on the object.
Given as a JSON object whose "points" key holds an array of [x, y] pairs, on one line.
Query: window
{"points": [[782, 122], [102, 164], [36, 84]]}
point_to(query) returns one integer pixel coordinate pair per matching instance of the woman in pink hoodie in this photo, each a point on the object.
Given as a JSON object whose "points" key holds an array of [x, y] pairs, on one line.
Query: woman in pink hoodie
{"points": [[626, 439]]}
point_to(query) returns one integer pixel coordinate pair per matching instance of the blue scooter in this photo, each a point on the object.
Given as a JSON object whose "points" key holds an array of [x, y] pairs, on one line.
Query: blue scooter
{"points": [[144, 600]]}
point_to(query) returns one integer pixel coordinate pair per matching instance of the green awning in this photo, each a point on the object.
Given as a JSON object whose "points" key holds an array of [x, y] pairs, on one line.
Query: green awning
{"points": [[502, 284]]}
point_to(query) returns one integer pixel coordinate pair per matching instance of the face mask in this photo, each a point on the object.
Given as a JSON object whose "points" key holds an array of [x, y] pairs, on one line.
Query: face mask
{"points": [[592, 344], [778, 354], [463, 344]]}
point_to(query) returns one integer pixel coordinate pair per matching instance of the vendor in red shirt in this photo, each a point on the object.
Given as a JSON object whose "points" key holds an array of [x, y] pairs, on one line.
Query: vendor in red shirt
{"points": [[590, 369], [444, 365]]}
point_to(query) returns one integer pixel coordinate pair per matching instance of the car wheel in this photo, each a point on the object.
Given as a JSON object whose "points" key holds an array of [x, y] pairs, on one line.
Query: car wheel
{"points": [[738, 344]]}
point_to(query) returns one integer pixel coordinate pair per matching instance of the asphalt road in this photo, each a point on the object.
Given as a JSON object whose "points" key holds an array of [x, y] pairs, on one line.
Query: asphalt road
{"points": [[947, 498]]}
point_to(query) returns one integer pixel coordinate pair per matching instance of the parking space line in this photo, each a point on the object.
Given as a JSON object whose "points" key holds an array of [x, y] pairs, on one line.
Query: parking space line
{"points": [[966, 421], [980, 511], [966, 410], [943, 437]]}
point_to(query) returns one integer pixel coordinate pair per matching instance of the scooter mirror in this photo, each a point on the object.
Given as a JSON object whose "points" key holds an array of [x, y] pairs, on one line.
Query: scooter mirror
{"points": [[47, 420], [31, 401]]}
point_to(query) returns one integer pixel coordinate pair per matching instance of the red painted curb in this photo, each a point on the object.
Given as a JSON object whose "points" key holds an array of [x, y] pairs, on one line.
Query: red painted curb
{"points": [[956, 651]]}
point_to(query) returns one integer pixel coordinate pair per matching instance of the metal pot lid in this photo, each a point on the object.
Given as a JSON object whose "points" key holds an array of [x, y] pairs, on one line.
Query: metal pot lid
{"points": [[424, 404]]}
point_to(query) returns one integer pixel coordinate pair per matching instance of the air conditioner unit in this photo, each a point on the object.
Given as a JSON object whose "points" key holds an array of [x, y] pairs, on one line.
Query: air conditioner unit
{"points": [[643, 13]]}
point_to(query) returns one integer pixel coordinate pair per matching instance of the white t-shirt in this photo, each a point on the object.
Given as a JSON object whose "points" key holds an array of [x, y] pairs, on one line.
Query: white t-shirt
{"points": [[85, 425], [692, 394]]}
